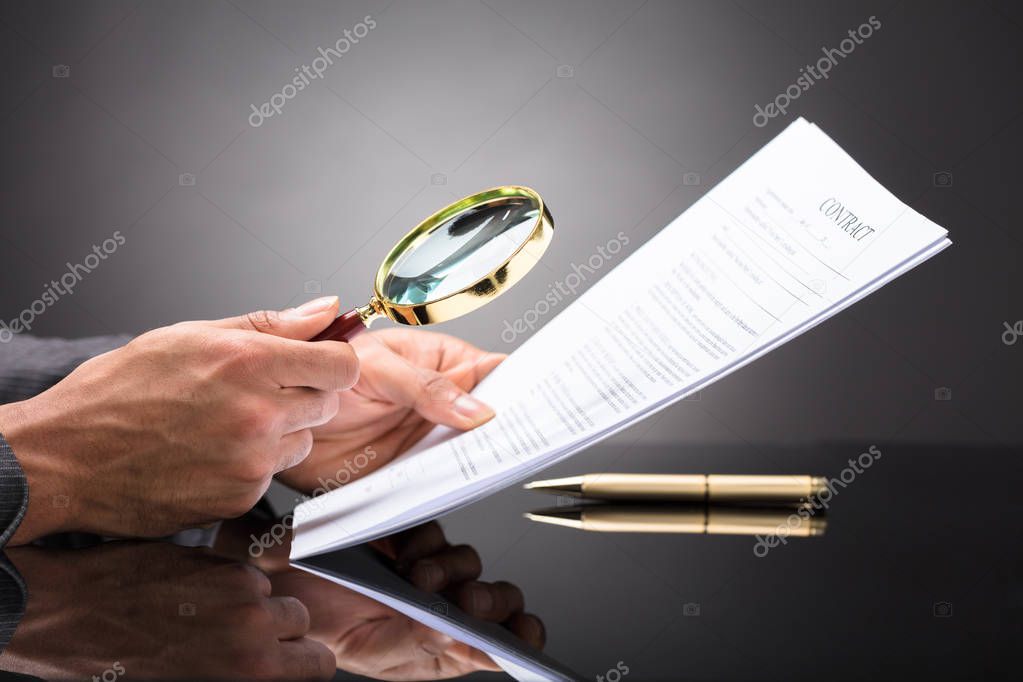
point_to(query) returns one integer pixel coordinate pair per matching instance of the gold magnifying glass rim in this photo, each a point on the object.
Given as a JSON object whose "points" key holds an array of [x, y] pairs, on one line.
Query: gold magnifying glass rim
{"points": [[480, 292]]}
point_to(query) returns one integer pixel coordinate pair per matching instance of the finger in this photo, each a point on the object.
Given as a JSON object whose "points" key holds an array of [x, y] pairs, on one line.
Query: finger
{"points": [[301, 323], [528, 628], [293, 449], [306, 407], [469, 374], [306, 659], [326, 365], [232, 577], [463, 362], [434, 643], [400, 644], [290, 617], [494, 602], [416, 543], [448, 567], [474, 659], [433, 395]]}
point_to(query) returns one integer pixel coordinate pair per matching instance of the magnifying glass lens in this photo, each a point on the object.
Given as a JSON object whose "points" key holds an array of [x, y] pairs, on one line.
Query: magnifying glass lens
{"points": [[462, 250], [456, 260]]}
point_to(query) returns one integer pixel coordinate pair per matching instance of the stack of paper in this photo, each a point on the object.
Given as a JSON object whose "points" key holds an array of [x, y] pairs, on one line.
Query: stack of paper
{"points": [[795, 234]]}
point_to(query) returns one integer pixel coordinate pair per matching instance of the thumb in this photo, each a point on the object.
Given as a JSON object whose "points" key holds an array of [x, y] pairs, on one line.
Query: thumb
{"points": [[442, 401], [301, 323]]}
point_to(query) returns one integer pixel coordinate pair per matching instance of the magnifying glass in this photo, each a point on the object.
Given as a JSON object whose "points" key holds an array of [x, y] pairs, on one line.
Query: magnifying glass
{"points": [[458, 259]]}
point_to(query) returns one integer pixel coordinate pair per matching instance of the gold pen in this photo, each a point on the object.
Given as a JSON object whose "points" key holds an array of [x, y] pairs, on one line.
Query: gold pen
{"points": [[698, 519], [685, 487]]}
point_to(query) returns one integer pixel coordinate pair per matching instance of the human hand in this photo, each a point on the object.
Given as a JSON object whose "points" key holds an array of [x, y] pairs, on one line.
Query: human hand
{"points": [[410, 381], [182, 426], [156, 610], [371, 639]]}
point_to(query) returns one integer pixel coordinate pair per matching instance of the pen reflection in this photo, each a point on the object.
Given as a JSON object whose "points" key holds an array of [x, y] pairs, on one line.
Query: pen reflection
{"points": [[685, 518]]}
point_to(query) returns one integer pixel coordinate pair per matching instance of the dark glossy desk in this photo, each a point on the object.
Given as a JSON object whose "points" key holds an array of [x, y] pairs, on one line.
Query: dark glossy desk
{"points": [[921, 528], [917, 576]]}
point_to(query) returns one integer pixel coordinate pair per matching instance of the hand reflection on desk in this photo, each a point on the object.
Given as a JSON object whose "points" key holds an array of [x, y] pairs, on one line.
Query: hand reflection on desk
{"points": [[371, 639], [157, 610]]}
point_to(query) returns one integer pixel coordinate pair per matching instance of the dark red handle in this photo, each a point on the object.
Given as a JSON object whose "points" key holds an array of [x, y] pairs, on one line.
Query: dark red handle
{"points": [[344, 328]]}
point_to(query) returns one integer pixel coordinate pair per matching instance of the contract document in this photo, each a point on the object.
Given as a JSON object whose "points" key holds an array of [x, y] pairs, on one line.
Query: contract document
{"points": [[797, 233]]}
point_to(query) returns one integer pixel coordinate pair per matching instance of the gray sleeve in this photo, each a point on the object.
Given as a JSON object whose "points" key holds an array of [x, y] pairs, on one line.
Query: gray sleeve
{"points": [[13, 492], [12, 602], [30, 365]]}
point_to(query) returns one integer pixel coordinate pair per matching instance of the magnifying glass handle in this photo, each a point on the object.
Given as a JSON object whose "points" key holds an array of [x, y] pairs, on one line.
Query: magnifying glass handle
{"points": [[344, 327]]}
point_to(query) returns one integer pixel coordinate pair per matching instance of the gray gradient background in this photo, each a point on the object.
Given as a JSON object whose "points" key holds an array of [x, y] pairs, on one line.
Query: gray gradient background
{"points": [[469, 89], [659, 89]]}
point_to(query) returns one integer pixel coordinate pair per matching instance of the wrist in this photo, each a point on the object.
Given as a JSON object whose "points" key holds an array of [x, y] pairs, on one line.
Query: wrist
{"points": [[52, 503]]}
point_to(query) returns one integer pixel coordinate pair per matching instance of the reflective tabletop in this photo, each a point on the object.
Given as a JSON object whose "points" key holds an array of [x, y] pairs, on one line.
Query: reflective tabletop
{"points": [[914, 570]]}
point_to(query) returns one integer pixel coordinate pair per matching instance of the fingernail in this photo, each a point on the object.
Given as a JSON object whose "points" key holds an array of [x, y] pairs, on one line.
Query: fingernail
{"points": [[472, 409], [310, 308], [482, 601]]}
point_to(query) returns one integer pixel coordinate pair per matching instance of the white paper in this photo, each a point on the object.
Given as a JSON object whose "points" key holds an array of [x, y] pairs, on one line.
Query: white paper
{"points": [[795, 234]]}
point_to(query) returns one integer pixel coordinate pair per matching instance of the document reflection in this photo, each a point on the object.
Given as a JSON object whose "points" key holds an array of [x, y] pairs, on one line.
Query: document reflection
{"points": [[369, 637]]}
